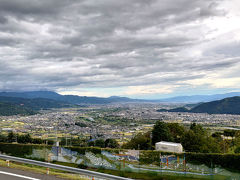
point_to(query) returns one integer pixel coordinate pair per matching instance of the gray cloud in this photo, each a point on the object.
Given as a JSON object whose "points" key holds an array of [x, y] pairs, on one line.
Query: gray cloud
{"points": [[3, 20], [52, 44]]}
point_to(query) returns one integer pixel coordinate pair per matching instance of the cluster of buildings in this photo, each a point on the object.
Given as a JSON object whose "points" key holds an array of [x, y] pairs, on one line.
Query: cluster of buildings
{"points": [[120, 122], [149, 114]]}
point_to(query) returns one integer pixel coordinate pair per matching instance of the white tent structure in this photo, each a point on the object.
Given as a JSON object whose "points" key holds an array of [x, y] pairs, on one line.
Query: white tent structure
{"points": [[169, 147]]}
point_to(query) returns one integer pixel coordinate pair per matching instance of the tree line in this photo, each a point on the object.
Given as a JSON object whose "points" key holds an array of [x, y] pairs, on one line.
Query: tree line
{"points": [[23, 139], [85, 142], [193, 139], [82, 142]]}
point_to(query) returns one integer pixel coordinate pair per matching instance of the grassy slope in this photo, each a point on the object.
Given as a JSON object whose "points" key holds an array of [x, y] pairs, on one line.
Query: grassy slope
{"points": [[40, 170]]}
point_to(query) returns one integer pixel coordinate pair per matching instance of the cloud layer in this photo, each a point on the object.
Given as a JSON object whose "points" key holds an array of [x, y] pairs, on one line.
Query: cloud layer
{"points": [[125, 47]]}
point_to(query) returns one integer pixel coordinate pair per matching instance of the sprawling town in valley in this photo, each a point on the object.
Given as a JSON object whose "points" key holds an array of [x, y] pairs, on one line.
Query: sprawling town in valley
{"points": [[120, 122]]}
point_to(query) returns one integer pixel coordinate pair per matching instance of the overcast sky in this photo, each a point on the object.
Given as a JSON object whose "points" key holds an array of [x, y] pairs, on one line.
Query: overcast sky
{"points": [[135, 48]]}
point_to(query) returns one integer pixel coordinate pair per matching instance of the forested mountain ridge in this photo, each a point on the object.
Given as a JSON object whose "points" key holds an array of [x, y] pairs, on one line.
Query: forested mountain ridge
{"points": [[72, 99], [199, 98], [8, 109], [224, 106], [75, 99], [35, 104]]}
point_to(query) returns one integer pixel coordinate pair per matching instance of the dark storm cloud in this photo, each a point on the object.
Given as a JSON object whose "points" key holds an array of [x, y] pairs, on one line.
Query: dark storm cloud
{"points": [[3, 20], [90, 43], [7, 41], [32, 8]]}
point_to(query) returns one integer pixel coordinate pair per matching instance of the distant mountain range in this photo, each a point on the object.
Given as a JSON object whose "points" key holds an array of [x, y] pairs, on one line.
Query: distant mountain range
{"points": [[73, 99], [225, 106], [199, 98], [30, 102]]}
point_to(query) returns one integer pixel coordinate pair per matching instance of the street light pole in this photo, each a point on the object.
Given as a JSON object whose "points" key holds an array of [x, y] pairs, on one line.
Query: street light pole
{"points": [[150, 140]]}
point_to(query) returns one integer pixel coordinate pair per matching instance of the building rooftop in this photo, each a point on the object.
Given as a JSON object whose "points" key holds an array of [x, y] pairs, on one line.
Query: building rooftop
{"points": [[169, 143]]}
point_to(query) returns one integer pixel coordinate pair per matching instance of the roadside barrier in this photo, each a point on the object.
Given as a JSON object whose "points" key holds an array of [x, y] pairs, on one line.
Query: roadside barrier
{"points": [[61, 167]]}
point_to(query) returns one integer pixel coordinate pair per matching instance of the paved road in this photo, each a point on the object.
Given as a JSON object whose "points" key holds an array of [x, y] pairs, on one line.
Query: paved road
{"points": [[15, 174]]}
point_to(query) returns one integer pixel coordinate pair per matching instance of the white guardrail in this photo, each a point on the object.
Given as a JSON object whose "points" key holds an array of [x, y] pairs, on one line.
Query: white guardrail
{"points": [[63, 168]]}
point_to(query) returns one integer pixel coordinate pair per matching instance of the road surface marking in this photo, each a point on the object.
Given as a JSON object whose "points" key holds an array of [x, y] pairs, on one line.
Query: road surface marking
{"points": [[17, 175]]}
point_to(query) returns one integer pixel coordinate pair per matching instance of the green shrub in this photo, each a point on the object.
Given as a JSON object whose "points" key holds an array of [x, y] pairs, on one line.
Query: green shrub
{"points": [[82, 166], [237, 150]]}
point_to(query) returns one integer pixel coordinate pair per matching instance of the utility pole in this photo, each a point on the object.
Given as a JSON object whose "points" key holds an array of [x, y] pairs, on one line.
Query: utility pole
{"points": [[139, 157], [57, 143], [160, 162], [150, 140], [66, 140], [224, 145]]}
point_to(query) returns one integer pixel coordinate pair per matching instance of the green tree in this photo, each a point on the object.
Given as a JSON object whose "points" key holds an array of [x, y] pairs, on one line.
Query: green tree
{"points": [[232, 134], [111, 143], [91, 143], [49, 141], [197, 128], [229, 132], [21, 139], [3, 138], [223, 144], [100, 143], [217, 135], [161, 132], [210, 145], [139, 141], [196, 139], [37, 141], [237, 140], [237, 150], [11, 137], [24, 138], [63, 141], [192, 142], [176, 130], [28, 138]]}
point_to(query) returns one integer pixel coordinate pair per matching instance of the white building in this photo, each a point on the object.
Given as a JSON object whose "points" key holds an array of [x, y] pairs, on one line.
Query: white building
{"points": [[169, 147]]}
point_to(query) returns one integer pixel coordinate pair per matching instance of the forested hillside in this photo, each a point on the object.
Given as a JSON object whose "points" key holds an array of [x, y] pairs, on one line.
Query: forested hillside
{"points": [[8, 109], [224, 106], [13, 105], [36, 103]]}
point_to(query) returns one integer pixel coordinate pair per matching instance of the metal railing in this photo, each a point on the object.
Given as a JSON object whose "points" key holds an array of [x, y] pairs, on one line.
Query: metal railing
{"points": [[63, 168]]}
